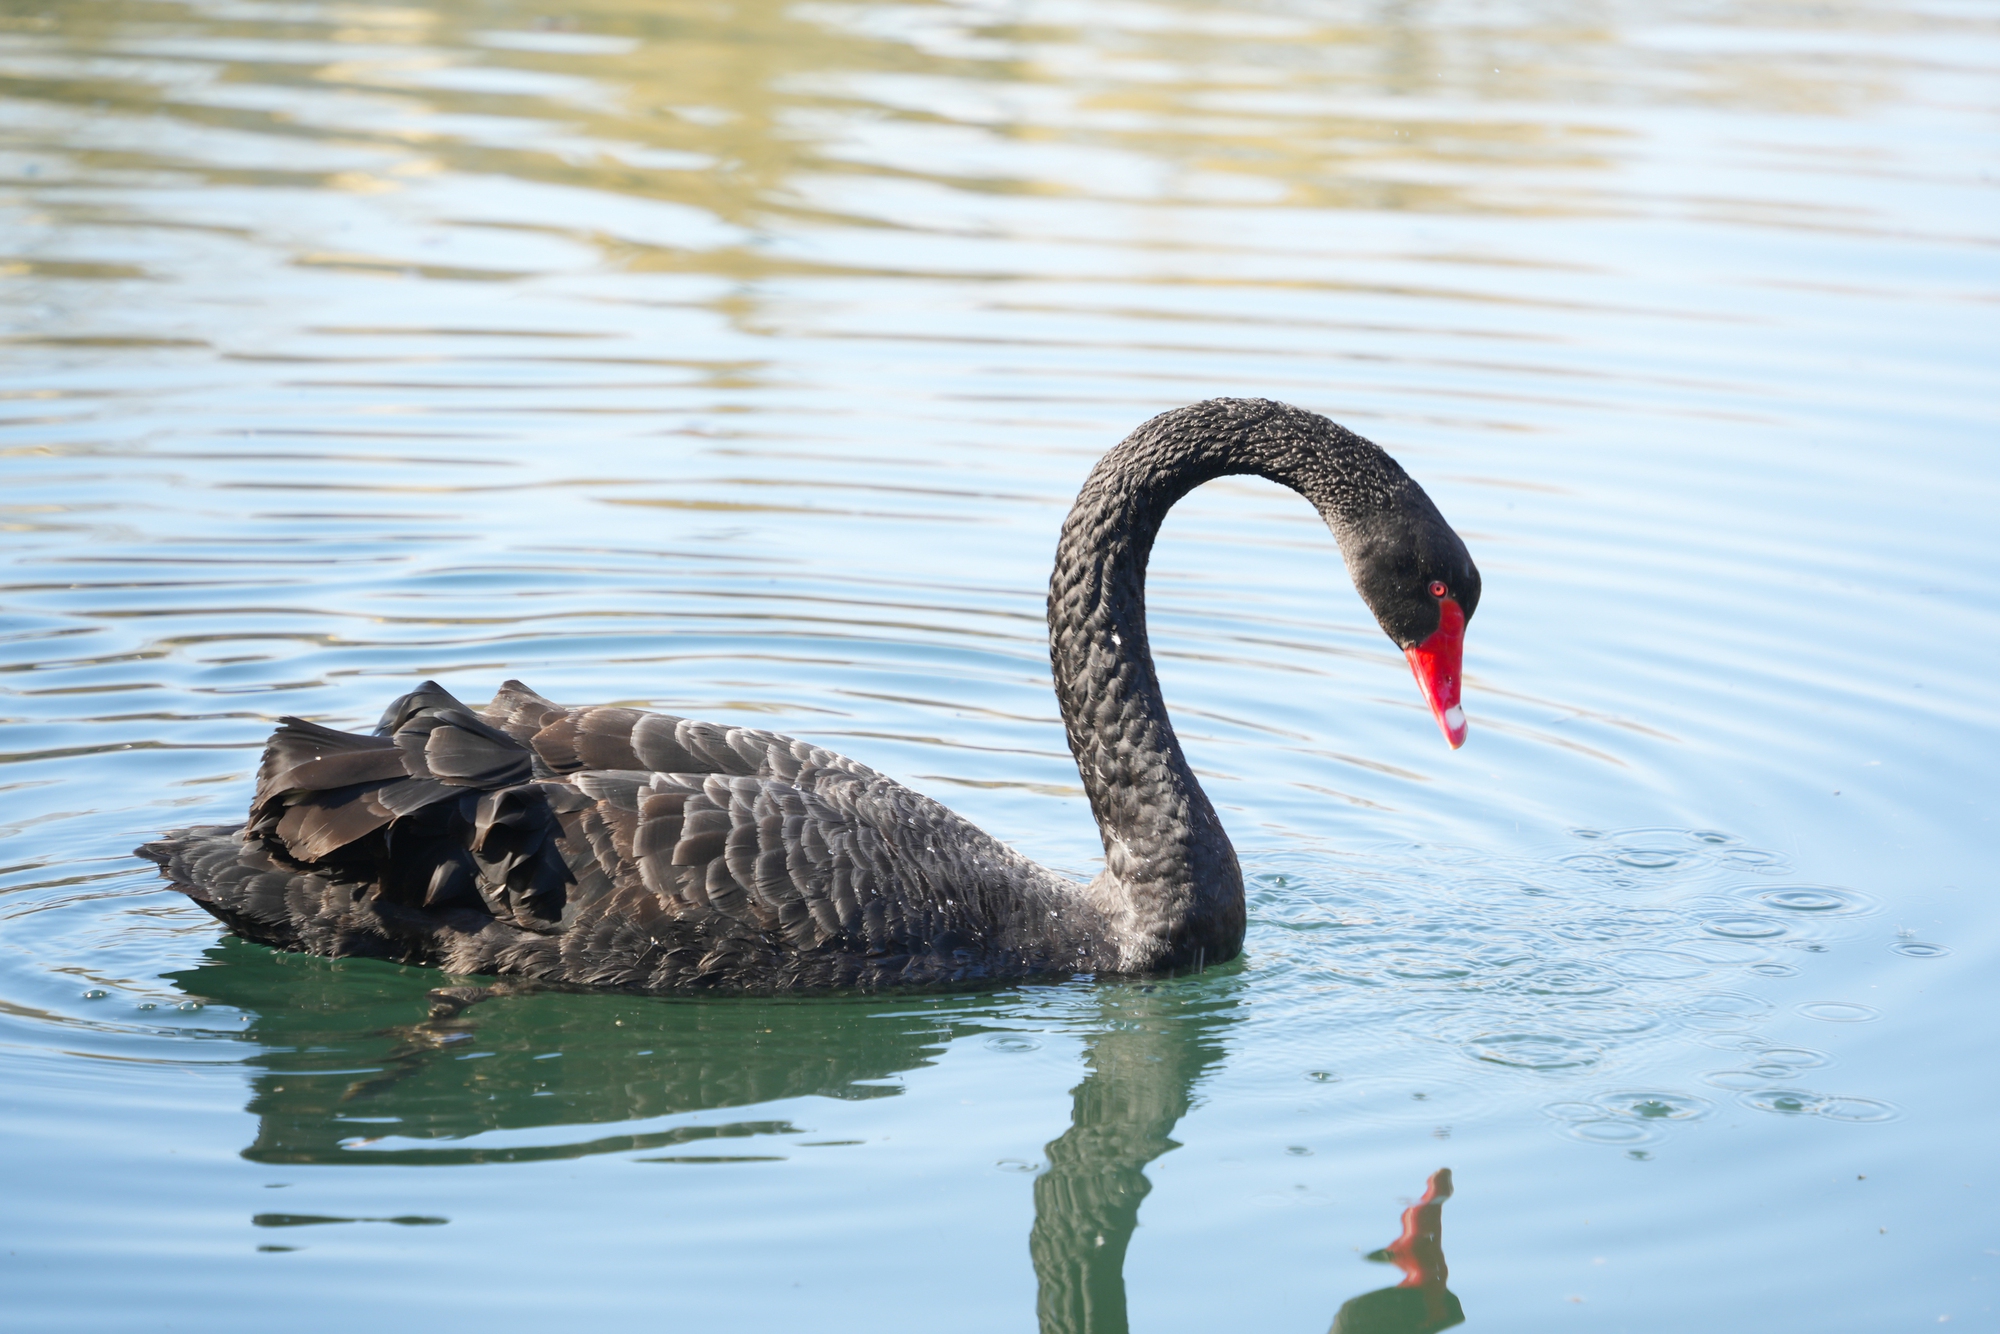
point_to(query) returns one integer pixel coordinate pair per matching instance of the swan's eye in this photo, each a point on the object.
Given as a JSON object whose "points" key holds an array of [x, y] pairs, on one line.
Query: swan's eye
{"points": [[1438, 589]]}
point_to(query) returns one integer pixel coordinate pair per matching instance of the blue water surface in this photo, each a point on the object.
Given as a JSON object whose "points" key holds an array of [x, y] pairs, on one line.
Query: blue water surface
{"points": [[741, 359]]}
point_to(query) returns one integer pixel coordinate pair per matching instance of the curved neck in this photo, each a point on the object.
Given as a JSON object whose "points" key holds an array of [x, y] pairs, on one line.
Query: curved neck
{"points": [[1171, 884]]}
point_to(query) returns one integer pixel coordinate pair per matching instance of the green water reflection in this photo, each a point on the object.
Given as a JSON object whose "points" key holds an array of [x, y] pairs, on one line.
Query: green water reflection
{"points": [[351, 1072], [347, 1073], [731, 131]]}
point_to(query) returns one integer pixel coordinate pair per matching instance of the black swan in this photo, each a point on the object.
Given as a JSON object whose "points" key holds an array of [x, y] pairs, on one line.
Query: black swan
{"points": [[609, 847]]}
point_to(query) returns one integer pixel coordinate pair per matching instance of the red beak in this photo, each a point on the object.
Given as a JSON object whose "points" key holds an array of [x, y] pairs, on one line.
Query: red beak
{"points": [[1436, 663]]}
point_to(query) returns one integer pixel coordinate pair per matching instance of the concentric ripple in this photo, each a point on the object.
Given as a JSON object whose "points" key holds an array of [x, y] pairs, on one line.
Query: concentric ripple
{"points": [[1818, 901], [1534, 1051], [1544, 990], [1839, 1012]]}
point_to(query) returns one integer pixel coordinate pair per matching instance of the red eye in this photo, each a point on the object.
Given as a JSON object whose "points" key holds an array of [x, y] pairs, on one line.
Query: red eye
{"points": [[1438, 589]]}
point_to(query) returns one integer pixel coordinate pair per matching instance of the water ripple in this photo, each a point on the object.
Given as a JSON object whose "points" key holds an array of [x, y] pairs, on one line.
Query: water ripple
{"points": [[742, 361]]}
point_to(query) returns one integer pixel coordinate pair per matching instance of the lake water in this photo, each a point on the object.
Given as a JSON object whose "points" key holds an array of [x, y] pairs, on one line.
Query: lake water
{"points": [[741, 359]]}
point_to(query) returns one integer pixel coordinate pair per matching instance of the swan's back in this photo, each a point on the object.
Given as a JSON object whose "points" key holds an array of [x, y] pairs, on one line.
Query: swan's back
{"points": [[612, 847]]}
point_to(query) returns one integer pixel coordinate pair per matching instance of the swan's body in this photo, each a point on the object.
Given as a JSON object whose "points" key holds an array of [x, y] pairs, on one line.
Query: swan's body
{"points": [[615, 848]]}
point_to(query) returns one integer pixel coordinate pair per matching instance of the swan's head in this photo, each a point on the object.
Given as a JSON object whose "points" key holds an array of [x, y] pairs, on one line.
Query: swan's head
{"points": [[1417, 577]]}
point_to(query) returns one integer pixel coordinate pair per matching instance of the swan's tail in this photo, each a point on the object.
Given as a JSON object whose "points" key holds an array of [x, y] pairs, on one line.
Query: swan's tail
{"points": [[382, 845], [261, 898]]}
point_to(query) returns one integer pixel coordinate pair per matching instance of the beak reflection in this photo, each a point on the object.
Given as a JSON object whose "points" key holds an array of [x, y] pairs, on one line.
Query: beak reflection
{"points": [[1420, 1304]]}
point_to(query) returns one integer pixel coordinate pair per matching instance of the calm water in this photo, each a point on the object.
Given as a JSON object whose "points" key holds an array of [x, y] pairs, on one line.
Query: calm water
{"points": [[741, 359]]}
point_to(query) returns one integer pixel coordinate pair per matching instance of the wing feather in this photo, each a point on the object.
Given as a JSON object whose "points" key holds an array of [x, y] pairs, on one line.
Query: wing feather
{"points": [[608, 847]]}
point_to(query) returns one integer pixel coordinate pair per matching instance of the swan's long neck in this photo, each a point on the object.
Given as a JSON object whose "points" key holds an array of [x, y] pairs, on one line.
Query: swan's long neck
{"points": [[1171, 887]]}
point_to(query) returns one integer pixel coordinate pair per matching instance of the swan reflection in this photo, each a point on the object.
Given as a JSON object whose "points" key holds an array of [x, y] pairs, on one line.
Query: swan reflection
{"points": [[348, 1070], [1143, 1066]]}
